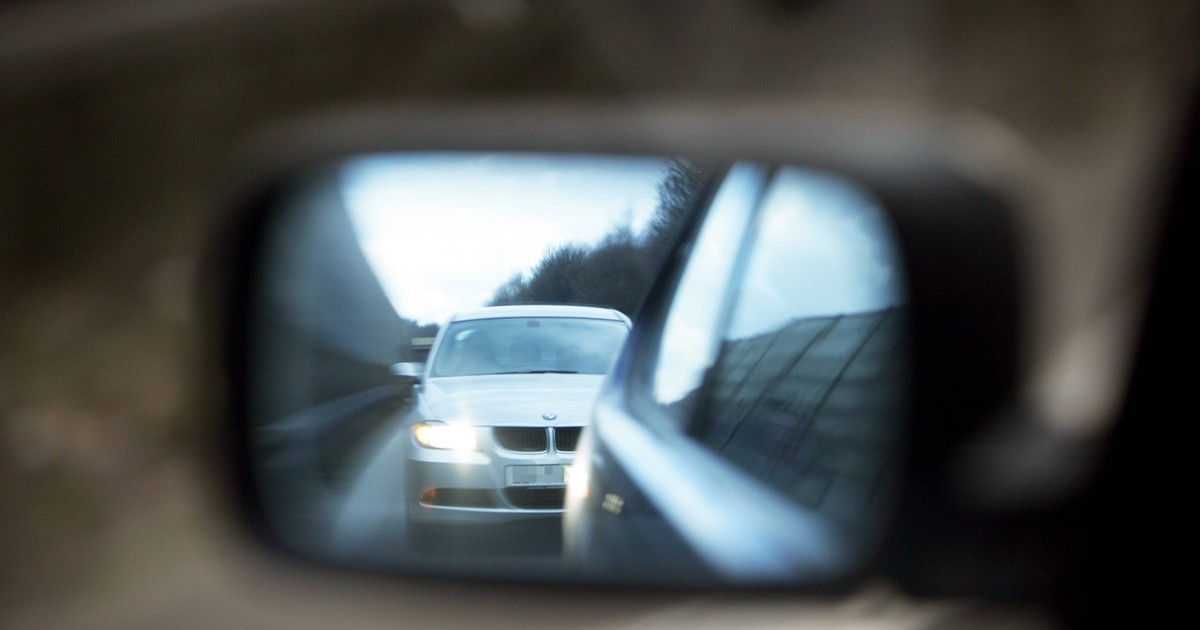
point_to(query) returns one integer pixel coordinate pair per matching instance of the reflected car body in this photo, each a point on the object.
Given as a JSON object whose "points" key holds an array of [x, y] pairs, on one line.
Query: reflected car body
{"points": [[499, 411]]}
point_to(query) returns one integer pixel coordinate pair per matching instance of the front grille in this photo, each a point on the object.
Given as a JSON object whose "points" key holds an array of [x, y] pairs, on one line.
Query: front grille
{"points": [[458, 497], [537, 498], [523, 439], [565, 438]]}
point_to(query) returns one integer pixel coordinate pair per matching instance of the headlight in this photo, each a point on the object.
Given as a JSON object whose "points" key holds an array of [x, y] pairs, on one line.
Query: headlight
{"points": [[448, 436], [578, 481]]}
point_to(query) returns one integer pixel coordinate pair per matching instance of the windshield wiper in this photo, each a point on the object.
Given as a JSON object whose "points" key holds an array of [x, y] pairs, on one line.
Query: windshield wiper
{"points": [[539, 372]]}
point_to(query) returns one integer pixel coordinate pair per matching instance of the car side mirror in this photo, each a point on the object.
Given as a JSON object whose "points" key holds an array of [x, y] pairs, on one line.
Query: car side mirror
{"points": [[783, 409], [407, 373]]}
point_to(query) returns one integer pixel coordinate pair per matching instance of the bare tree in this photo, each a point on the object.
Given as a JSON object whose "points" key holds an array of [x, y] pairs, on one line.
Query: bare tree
{"points": [[617, 271]]}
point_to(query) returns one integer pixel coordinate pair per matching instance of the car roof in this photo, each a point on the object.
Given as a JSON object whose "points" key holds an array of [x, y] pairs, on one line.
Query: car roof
{"points": [[540, 310]]}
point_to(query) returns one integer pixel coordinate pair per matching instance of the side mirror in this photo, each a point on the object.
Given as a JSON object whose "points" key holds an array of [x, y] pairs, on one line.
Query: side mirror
{"points": [[788, 419], [407, 373]]}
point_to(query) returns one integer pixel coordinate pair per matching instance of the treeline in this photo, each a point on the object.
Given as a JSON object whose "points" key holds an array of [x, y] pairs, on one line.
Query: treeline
{"points": [[616, 271]]}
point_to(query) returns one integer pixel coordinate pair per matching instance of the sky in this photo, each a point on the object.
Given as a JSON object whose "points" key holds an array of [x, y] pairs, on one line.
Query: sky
{"points": [[444, 230]]}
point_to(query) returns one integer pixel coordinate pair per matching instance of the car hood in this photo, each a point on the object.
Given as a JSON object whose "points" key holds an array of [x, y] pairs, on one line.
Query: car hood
{"points": [[511, 399]]}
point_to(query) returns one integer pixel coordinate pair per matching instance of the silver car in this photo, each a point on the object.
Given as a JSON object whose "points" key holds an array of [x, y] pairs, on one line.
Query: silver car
{"points": [[499, 409]]}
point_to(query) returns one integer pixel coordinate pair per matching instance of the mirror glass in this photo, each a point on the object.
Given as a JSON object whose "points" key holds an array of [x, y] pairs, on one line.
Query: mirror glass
{"points": [[447, 353]]}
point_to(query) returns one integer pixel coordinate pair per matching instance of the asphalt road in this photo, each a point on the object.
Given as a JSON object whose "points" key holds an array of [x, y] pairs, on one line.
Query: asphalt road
{"points": [[371, 524]]}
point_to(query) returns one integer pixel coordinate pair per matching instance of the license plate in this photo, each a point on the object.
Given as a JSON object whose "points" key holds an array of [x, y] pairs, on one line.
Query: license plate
{"points": [[544, 475]]}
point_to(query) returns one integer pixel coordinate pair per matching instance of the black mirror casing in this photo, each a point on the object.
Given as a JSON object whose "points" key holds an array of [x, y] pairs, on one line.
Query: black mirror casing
{"points": [[954, 234]]}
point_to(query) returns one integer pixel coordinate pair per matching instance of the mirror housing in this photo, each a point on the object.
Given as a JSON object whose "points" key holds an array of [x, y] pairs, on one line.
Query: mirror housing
{"points": [[954, 233]]}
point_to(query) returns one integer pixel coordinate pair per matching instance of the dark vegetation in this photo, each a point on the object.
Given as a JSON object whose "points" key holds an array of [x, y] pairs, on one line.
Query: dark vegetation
{"points": [[617, 270]]}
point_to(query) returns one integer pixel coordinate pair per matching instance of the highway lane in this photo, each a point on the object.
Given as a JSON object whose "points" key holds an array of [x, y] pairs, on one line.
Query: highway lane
{"points": [[370, 524]]}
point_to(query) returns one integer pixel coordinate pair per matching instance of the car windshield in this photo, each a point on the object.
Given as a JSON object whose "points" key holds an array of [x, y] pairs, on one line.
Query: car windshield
{"points": [[528, 345]]}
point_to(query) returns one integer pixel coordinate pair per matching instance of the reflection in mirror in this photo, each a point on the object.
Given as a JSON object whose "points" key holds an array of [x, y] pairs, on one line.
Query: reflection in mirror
{"points": [[766, 446], [430, 334]]}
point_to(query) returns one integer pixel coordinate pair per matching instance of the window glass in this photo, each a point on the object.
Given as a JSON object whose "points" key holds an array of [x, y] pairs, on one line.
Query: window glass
{"points": [[806, 389], [691, 328], [528, 345]]}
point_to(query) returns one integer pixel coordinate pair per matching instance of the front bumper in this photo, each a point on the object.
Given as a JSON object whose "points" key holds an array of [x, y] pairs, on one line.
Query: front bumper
{"points": [[471, 487]]}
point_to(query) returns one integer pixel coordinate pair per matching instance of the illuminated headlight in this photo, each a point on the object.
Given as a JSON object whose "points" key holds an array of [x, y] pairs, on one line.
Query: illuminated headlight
{"points": [[577, 481], [448, 436]]}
